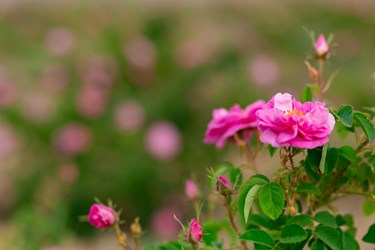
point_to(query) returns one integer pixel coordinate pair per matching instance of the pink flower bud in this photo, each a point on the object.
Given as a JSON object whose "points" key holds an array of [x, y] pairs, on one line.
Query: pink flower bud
{"points": [[194, 233], [191, 190], [223, 186], [101, 216], [321, 46]]}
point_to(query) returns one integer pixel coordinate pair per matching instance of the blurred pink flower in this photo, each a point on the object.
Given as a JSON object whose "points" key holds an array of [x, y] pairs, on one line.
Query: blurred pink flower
{"points": [[9, 141], [72, 139], [285, 122], [321, 46], [163, 223], [7, 92], [163, 140], [191, 190], [194, 53], [129, 116], [68, 173], [59, 41], [99, 71], [38, 106], [91, 101], [263, 70], [194, 233], [101, 216], [55, 78], [141, 53], [226, 123]]}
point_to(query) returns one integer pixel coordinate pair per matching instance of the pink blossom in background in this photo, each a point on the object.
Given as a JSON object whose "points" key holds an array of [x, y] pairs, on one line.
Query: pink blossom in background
{"points": [[59, 41], [129, 116], [72, 139], [9, 141], [163, 223], [141, 53], [163, 140], [263, 70], [194, 232], [7, 92], [101, 216], [68, 173], [194, 53], [99, 71], [38, 106], [191, 190], [321, 46], [226, 123], [55, 78], [91, 101], [285, 122]]}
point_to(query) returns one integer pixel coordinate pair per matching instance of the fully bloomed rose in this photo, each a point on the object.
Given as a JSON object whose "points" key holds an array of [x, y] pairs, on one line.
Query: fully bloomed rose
{"points": [[226, 123], [285, 122], [101, 216]]}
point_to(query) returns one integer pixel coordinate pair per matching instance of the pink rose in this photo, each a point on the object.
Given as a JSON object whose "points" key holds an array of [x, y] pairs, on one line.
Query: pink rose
{"points": [[285, 122], [72, 139], [223, 186], [191, 190], [194, 233], [321, 46], [101, 216], [226, 123]]}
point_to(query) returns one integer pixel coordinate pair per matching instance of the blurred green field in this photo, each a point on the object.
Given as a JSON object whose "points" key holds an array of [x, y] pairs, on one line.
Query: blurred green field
{"points": [[114, 73]]}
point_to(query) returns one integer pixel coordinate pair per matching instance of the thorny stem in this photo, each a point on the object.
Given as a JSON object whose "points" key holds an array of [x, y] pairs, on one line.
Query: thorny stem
{"points": [[232, 222], [320, 78]]}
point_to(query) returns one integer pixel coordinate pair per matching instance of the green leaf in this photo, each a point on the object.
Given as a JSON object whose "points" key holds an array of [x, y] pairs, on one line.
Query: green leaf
{"points": [[306, 94], [323, 159], [235, 177], [272, 199], [292, 234], [314, 157], [257, 179], [345, 115], [331, 160], [259, 237], [271, 150], [308, 188], [303, 220], [370, 236], [329, 236], [317, 245], [368, 207], [249, 200], [366, 125], [348, 153], [349, 242], [325, 218]]}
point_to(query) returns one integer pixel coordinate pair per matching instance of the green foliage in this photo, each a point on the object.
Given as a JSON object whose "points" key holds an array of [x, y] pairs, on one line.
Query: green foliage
{"points": [[325, 218], [306, 95], [308, 188], [303, 220], [370, 235], [249, 200], [345, 115], [258, 236], [329, 236], [272, 199], [367, 126], [292, 233]]}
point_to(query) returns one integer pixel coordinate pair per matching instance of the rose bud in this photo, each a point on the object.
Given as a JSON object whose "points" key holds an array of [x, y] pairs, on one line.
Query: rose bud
{"points": [[321, 47], [194, 233], [136, 228], [191, 190], [101, 216], [223, 186]]}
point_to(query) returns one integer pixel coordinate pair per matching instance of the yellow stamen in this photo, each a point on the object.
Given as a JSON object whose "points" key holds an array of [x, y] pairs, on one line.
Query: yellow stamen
{"points": [[294, 112]]}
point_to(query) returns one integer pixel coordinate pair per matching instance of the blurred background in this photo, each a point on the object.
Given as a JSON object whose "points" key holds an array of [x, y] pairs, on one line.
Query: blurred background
{"points": [[111, 100]]}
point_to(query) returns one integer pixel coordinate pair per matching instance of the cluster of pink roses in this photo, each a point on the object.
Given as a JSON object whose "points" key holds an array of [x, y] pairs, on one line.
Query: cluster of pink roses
{"points": [[282, 122]]}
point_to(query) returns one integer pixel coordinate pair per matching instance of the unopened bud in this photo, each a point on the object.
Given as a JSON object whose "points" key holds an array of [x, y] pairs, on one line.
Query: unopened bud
{"points": [[223, 186], [136, 228], [321, 47], [292, 211]]}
